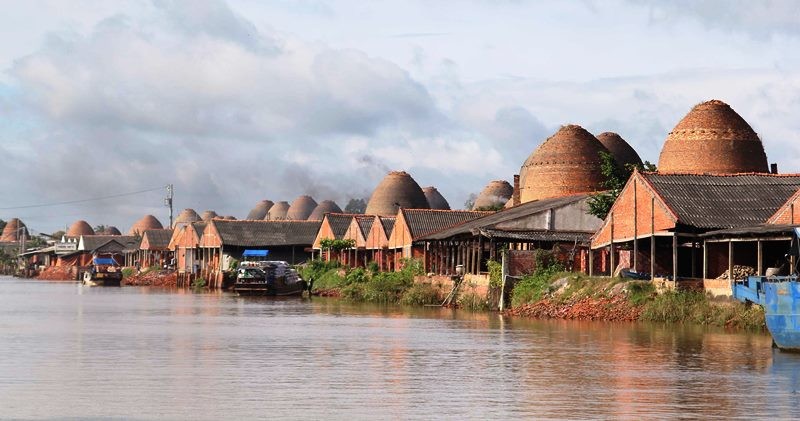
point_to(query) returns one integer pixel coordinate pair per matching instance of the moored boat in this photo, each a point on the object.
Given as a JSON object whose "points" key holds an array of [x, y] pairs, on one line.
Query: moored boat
{"points": [[104, 271], [275, 278]]}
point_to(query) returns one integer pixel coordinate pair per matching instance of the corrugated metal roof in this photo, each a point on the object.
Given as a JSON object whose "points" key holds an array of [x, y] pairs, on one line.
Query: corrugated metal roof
{"points": [[583, 237], [158, 239], [93, 242], [267, 233], [425, 221], [723, 201], [365, 223], [752, 230], [339, 222], [504, 215], [388, 224]]}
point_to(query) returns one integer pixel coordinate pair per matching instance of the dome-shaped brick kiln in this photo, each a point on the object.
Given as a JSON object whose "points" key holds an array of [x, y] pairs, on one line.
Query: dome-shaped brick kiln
{"points": [[326, 206], [568, 162], [712, 138], [397, 190]]}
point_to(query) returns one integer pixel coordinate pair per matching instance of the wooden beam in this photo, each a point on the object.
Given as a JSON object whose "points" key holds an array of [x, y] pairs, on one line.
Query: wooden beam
{"points": [[730, 260], [635, 229], [760, 266], [652, 238], [705, 260], [675, 257]]}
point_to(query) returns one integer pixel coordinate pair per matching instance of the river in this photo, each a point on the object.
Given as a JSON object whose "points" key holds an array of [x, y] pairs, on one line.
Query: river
{"points": [[68, 351]]}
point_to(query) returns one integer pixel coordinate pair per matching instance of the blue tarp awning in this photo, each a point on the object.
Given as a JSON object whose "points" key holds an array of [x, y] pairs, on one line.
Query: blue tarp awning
{"points": [[104, 261], [255, 253]]}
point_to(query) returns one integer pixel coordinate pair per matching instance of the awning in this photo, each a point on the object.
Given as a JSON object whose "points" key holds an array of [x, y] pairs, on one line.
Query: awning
{"points": [[255, 253]]}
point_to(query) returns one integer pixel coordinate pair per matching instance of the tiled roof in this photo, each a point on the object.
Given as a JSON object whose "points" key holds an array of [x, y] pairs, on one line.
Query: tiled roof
{"points": [[488, 221], [365, 223], [339, 222], [723, 201], [158, 239], [425, 221], [388, 224], [93, 242], [267, 233]]}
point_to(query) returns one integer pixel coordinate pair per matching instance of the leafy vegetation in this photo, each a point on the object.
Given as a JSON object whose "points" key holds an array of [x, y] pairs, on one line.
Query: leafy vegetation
{"points": [[495, 273], [696, 307], [615, 178]]}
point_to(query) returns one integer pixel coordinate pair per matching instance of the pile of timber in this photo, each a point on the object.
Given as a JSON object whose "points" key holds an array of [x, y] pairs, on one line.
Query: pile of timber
{"points": [[739, 272]]}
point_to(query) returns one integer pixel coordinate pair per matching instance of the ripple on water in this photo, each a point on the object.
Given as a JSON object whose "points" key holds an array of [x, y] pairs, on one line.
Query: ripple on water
{"points": [[76, 352]]}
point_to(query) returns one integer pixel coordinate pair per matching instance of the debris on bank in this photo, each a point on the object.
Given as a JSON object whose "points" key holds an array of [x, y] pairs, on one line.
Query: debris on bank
{"points": [[154, 278], [58, 273]]}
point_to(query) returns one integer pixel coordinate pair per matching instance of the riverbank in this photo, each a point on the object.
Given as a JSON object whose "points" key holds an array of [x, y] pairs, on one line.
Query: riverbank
{"points": [[547, 294], [152, 278]]}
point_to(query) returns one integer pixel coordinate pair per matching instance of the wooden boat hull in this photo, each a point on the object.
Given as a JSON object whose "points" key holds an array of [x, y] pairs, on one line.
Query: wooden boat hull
{"points": [[260, 288], [102, 279]]}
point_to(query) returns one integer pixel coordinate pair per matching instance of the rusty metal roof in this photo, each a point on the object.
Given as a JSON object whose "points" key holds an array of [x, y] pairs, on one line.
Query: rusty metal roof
{"points": [[723, 201], [266, 233], [425, 221]]}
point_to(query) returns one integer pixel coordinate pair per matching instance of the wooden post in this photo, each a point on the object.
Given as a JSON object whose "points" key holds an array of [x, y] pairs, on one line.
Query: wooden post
{"points": [[503, 274], [591, 261], [730, 260], [652, 238], [635, 230], [611, 248], [694, 260], [675, 257], [760, 258], [705, 260]]}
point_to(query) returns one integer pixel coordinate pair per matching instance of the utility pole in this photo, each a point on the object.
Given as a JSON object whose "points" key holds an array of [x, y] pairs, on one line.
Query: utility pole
{"points": [[168, 202]]}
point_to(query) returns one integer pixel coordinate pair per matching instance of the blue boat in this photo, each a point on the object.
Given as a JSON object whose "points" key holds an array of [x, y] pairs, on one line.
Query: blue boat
{"points": [[780, 297]]}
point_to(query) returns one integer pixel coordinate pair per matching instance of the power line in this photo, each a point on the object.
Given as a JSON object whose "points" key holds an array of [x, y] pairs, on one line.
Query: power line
{"points": [[69, 202]]}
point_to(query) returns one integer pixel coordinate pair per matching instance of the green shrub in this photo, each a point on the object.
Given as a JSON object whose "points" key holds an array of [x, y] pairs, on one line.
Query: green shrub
{"points": [[356, 276], [640, 292], [472, 301], [373, 267], [354, 292], [387, 287], [314, 269], [695, 307], [127, 272], [534, 287], [421, 294], [329, 280], [495, 273], [199, 283]]}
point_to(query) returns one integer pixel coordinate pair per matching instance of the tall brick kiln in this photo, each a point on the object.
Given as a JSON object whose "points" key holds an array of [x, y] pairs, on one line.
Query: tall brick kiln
{"points": [[712, 139]]}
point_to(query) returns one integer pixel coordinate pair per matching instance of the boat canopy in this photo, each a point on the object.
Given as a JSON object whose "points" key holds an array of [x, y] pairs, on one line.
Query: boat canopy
{"points": [[255, 253], [104, 261]]}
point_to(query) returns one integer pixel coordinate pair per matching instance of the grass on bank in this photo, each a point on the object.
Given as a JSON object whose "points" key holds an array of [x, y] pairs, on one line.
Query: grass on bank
{"points": [[669, 307], [372, 285]]}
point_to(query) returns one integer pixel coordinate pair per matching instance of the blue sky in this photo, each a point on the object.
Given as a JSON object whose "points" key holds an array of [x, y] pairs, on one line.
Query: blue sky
{"points": [[238, 101]]}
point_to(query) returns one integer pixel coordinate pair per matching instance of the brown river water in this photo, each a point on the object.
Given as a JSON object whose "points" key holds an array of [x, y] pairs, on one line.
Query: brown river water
{"points": [[74, 352]]}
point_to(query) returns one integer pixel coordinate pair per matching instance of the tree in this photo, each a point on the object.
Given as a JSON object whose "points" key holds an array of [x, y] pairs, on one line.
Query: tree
{"points": [[470, 203], [615, 178], [99, 229], [2, 225], [57, 235], [356, 206]]}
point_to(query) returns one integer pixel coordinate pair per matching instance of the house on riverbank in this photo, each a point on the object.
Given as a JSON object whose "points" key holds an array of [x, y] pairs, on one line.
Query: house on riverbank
{"points": [[224, 241]]}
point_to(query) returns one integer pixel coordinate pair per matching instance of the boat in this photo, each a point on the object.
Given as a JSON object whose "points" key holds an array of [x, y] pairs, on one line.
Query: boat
{"points": [[780, 298], [103, 271], [267, 277]]}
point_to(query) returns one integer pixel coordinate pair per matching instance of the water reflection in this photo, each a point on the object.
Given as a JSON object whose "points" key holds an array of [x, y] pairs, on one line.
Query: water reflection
{"points": [[158, 354]]}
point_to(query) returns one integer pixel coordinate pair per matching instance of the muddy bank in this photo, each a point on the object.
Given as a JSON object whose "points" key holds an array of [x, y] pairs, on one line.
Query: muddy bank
{"points": [[156, 278], [612, 309], [58, 273]]}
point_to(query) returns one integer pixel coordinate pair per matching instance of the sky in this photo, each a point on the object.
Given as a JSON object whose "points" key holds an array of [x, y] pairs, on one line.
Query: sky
{"points": [[242, 100]]}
